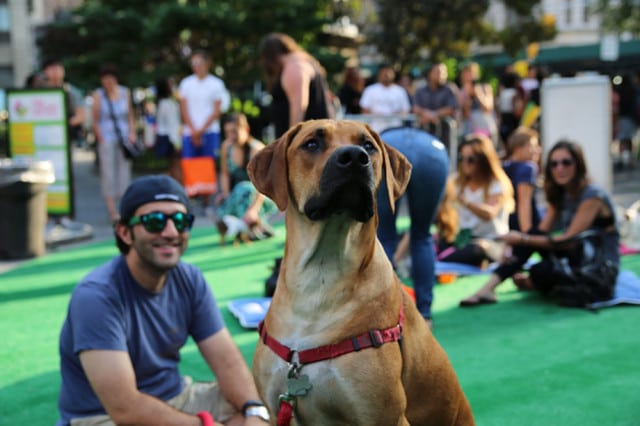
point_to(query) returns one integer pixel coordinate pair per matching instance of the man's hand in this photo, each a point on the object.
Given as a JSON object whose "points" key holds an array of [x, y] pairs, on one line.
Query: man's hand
{"points": [[254, 421], [196, 138]]}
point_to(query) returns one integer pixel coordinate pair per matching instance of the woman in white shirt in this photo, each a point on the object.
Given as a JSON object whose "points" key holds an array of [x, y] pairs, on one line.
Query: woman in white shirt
{"points": [[484, 201], [168, 128]]}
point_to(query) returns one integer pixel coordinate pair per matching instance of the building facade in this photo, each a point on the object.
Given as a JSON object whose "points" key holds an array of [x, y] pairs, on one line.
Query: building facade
{"points": [[580, 44], [18, 22]]}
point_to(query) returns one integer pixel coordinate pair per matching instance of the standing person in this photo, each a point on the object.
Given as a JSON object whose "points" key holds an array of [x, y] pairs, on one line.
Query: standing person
{"points": [[435, 101], [484, 202], [385, 98], [574, 205], [296, 81], [351, 90], [128, 319], [430, 166], [477, 104], [511, 102], [167, 144], [112, 123], [203, 99], [238, 199], [35, 81], [626, 121], [54, 76]]}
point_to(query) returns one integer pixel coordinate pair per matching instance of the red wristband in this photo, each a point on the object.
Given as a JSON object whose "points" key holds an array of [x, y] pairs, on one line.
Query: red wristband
{"points": [[206, 418]]}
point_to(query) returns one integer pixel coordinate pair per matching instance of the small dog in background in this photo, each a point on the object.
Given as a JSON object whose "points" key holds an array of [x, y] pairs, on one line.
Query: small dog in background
{"points": [[231, 225], [241, 231], [629, 226]]}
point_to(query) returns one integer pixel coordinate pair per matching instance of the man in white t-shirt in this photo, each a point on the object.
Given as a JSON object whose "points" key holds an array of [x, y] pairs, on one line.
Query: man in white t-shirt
{"points": [[203, 99], [385, 98]]}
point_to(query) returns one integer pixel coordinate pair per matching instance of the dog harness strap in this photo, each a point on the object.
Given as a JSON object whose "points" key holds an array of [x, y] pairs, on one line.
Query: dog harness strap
{"points": [[285, 413], [372, 338]]}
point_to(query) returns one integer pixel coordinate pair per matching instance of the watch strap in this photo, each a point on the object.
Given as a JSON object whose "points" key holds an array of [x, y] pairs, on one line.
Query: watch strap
{"points": [[250, 403]]}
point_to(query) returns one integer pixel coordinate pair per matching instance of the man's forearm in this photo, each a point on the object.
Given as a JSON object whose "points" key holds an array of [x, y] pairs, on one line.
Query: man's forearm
{"points": [[145, 410]]}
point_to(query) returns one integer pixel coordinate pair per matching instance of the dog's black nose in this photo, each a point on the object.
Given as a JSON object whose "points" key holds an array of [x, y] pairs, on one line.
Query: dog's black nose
{"points": [[352, 157]]}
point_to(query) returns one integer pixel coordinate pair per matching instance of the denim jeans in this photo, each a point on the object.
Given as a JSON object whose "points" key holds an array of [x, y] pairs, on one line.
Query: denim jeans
{"points": [[430, 162]]}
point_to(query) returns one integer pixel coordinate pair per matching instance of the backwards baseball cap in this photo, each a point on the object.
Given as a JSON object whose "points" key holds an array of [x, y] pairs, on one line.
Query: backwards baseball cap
{"points": [[148, 189]]}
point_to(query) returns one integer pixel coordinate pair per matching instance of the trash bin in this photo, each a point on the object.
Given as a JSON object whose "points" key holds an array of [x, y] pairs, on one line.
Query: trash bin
{"points": [[23, 207]]}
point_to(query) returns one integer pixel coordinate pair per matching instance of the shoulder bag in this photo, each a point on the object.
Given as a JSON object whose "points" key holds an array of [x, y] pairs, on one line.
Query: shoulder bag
{"points": [[580, 272], [129, 149]]}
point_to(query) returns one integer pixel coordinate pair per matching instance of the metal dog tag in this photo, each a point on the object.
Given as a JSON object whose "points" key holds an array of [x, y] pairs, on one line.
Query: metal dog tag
{"points": [[298, 386]]}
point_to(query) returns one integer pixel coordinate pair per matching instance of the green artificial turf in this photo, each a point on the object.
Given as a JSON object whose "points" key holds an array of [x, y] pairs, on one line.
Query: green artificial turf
{"points": [[522, 361]]}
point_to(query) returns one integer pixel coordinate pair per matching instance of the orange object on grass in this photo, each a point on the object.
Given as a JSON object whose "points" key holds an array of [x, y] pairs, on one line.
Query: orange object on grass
{"points": [[409, 291], [446, 278]]}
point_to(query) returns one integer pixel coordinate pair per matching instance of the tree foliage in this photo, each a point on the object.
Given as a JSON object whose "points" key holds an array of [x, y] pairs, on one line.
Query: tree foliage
{"points": [[443, 27], [526, 25], [446, 28], [620, 16], [150, 39]]}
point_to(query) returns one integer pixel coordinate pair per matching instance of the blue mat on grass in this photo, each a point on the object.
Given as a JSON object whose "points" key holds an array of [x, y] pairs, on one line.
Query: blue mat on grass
{"points": [[250, 311], [627, 291]]}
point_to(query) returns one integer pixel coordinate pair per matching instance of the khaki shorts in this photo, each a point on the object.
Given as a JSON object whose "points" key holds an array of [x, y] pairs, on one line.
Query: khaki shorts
{"points": [[195, 397]]}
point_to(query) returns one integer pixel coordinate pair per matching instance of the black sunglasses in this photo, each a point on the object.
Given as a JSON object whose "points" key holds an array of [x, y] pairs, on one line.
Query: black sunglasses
{"points": [[155, 222], [567, 162], [470, 160]]}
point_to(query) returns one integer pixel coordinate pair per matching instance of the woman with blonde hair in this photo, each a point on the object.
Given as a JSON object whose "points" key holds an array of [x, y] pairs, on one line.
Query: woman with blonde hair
{"points": [[484, 200]]}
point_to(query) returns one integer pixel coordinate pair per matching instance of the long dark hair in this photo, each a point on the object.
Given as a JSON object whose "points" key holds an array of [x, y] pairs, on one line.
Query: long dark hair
{"points": [[272, 47], [163, 88], [554, 192], [240, 119]]}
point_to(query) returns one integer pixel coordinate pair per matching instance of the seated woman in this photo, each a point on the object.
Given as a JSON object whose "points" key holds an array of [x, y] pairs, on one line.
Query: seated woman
{"points": [[484, 200], [241, 210], [574, 205], [521, 165]]}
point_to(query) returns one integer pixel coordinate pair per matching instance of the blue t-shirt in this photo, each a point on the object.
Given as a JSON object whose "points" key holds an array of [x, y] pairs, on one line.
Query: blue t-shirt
{"points": [[522, 172], [109, 310]]}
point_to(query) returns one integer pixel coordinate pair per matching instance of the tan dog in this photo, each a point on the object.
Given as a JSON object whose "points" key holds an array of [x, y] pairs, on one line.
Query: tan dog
{"points": [[342, 343]]}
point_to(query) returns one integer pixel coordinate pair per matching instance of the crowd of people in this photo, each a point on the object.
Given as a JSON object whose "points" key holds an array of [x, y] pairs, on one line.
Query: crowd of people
{"points": [[146, 301]]}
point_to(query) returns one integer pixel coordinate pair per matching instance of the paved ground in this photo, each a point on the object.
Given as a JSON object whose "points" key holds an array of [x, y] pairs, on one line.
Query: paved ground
{"points": [[90, 208]]}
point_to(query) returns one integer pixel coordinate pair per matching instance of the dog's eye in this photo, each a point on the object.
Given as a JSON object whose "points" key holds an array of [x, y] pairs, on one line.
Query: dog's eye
{"points": [[369, 146], [312, 145]]}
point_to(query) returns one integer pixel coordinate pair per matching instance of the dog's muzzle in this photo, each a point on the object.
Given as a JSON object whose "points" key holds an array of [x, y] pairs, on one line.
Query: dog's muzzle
{"points": [[347, 185]]}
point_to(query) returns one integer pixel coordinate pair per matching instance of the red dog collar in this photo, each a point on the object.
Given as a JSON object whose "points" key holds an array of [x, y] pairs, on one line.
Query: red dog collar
{"points": [[372, 338]]}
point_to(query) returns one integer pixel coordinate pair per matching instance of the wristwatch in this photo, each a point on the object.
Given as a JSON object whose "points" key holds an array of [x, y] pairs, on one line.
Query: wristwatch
{"points": [[257, 411]]}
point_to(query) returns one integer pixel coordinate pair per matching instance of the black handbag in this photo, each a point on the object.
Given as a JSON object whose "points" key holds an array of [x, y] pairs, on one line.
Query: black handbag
{"points": [[130, 149], [580, 273]]}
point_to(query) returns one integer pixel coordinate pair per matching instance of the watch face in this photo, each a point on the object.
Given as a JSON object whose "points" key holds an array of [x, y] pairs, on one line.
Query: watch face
{"points": [[258, 411]]}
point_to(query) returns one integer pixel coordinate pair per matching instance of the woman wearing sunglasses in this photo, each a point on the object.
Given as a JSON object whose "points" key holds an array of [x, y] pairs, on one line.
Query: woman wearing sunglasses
{"points": [[574, 205], [484, 201]]}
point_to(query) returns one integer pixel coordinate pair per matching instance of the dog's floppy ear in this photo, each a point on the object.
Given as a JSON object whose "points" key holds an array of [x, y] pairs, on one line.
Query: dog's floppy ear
{"points": [[397, 169], [268, 169]]}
